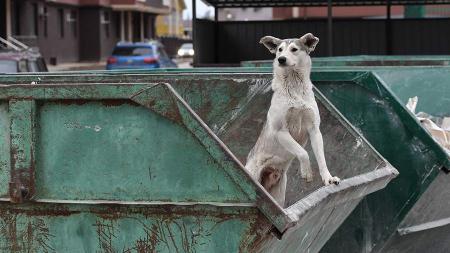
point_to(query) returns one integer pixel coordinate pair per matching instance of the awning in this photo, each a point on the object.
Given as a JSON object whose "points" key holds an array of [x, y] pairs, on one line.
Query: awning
{"points": [[288, 3]]}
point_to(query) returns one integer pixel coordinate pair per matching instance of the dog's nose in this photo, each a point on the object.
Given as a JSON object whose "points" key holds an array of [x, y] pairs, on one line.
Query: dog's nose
{"points": [[282, 60]]}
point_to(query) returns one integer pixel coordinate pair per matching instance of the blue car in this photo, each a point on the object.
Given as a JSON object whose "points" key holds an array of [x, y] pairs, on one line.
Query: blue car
{"points": [[142, 55]]}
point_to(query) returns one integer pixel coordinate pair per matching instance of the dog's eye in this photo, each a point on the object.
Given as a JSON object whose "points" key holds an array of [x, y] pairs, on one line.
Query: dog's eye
{"points": [[294, 49], [280, 49]]}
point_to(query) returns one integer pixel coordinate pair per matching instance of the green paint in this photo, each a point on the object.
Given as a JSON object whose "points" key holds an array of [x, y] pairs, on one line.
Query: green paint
{"points": [[5, 163], [432, 86], [135, 152], [96, 230], [22, 116], [415, 11]]}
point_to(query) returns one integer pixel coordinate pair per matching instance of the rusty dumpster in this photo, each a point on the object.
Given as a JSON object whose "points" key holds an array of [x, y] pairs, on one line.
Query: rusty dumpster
{"points": [[119, 166]]}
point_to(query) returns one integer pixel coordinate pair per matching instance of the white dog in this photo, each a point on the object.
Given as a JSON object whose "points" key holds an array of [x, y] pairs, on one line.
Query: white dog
{"points": [[292, 116]]}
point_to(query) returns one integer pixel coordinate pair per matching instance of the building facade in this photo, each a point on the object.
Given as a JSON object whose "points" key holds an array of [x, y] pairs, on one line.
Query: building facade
{"points": [[79, 30], [246, 14], [171, 24]]}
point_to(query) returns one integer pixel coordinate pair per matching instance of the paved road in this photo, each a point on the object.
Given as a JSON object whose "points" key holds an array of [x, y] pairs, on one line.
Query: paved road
{"points": [[182, 63]]}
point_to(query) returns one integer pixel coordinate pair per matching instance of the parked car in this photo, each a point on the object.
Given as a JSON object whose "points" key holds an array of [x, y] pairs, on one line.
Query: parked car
{"points": [[186, 50], [141, 55], [12, 61]]}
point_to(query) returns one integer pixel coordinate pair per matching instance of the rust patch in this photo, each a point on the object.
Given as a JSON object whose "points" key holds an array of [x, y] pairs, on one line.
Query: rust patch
{"points": [[33, 237], [105, 234], [259, 232], [37, 210], [21, 186], [105, 102], [117, 102], [71, 101], [113, 212]]}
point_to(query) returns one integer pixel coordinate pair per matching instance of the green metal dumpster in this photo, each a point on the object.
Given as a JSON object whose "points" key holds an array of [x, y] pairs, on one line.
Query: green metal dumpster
{"points": [[128, 166], [360, 95], [426, 226], [367, 60]]}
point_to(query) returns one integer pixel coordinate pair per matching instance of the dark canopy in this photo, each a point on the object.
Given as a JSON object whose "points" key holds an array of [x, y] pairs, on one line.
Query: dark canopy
{"points": [[286, 3]]}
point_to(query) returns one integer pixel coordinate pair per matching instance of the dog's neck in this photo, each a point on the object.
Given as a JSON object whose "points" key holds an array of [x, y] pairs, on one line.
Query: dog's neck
{"points": [[293, 82]]}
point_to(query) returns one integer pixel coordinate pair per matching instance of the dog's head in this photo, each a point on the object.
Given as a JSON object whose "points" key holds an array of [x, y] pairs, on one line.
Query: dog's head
{"points": [[291, 53]]}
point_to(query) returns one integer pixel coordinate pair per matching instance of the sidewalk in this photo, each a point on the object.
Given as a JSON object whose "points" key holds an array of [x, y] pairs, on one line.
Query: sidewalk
{"points": [[71, 66]]}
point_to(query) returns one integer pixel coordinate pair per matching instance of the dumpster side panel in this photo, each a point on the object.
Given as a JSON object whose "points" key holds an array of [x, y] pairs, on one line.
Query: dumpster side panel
{"points": [[5, 164], [119, 150], [430, 85], [74, 228], [384, 129], [427, 225], [435, 241]]}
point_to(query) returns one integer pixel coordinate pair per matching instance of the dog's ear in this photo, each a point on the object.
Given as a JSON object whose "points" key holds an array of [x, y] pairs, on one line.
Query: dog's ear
{"points": [[271, 43], [309, 42]]}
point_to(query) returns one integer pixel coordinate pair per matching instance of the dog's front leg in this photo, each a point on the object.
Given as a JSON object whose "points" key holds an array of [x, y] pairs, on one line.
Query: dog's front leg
{"points": [[292, 146], [317, 145]]}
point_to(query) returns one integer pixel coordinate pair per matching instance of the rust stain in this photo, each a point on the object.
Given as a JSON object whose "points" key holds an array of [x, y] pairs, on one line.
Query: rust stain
{"points": [[71, 101], [116, 211], [21, 185], [8, 229], [33, 237], [106, 233], [117, 102], [257, 236], [37, 210], [105, 102]]}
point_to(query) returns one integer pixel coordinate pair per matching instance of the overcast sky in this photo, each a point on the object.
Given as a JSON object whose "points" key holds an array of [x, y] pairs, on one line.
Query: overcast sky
{"points": [[201, 9]]}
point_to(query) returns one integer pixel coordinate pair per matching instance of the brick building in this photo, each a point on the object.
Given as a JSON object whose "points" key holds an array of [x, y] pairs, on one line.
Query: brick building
{"points": [[78, 30]]}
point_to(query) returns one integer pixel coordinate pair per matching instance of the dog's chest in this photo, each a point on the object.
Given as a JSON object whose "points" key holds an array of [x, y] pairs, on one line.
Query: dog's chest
{"points": [[298, 119]]}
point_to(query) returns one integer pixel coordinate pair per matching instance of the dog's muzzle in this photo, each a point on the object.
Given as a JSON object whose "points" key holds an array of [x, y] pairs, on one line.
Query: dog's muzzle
{"points": [[282, 60]]}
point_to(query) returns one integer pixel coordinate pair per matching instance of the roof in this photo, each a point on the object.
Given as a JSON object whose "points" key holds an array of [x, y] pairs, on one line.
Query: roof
{"points": [[287, 3]]}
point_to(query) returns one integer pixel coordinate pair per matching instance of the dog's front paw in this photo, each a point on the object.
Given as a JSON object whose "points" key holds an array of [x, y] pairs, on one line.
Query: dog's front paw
{"points": [[332, 180]]}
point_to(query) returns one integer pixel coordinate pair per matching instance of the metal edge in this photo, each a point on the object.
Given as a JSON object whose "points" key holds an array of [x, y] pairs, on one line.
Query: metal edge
{"points": [[304, 208]]}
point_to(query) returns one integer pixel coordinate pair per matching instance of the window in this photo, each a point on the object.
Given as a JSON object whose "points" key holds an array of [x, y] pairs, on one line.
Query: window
{"points": [[72, 20], [105, 21], [35, 19], [32, 66], [17, 8], [61, 22], [132, 51], [7, 66], [45, 17], [22, 66], [118, 24]]}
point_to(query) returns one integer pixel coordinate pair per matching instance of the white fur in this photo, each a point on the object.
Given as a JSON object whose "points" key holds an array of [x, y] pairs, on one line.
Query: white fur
{"points": [[292, 117]]}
